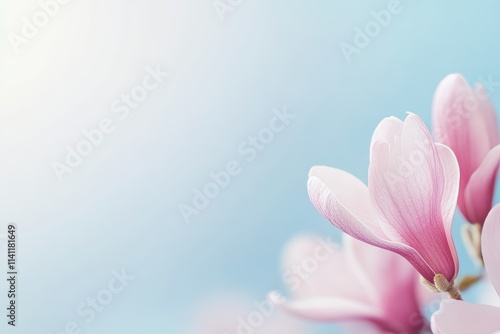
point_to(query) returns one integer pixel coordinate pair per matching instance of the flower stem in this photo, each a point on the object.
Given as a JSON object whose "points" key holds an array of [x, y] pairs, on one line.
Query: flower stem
{"points": [[443, 285], [454, 293]]}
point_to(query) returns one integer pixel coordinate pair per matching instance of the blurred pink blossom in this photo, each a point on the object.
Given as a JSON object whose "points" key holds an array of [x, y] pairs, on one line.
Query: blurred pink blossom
{"points": [[367, 289], [458, 317], [464, 119]]}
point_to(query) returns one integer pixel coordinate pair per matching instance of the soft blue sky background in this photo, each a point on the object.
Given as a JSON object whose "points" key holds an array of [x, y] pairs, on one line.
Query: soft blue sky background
{"points": [[120, 207]]}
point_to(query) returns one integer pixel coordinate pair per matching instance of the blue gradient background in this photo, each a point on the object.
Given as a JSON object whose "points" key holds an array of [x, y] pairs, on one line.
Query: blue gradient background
{"points": [[120, 207]]}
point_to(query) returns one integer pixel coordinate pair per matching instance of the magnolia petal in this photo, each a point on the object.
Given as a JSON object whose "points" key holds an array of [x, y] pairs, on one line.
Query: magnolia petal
{"points": [[487, 294], [369, 274], [489, 115], [380, 270], [459, 317], [460, 123], [491, 246], [407, 185], [388, 276], [344, 201], [387, 131], [481, 186], [434, 327], [464, 120], [358, 273], [314, 266], [328, 184], [326, 308], [451, 173]]}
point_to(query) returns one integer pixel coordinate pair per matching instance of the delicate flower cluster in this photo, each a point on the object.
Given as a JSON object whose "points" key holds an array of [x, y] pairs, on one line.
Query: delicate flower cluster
{"points": [[397, 243], [406, 211]]}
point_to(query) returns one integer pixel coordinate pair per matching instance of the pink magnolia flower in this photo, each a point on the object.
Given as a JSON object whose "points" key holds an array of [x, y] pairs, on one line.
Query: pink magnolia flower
{"points": [[410, 200], [487, 293], [233, 316], [375, 290], [457, 317], [464, 119]]}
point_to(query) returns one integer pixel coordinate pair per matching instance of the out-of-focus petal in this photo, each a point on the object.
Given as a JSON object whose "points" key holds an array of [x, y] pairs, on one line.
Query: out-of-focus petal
{"points": [[388, 276], [491, 246], [459, 123], [489, 115], [315, 267], [481, 186], [464, 119], [487, 293], [358, 282], [458, 317], [434, 327], [327, 308]]}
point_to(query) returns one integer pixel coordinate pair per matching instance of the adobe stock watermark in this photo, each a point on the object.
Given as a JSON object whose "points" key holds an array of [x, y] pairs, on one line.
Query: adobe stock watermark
{"points": [[224, 7], [31, 26], [88, 310], [466, 104], [293, 277], [365, 34], [298, 273], [411, 162], [122, 108], [248, 150]]}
